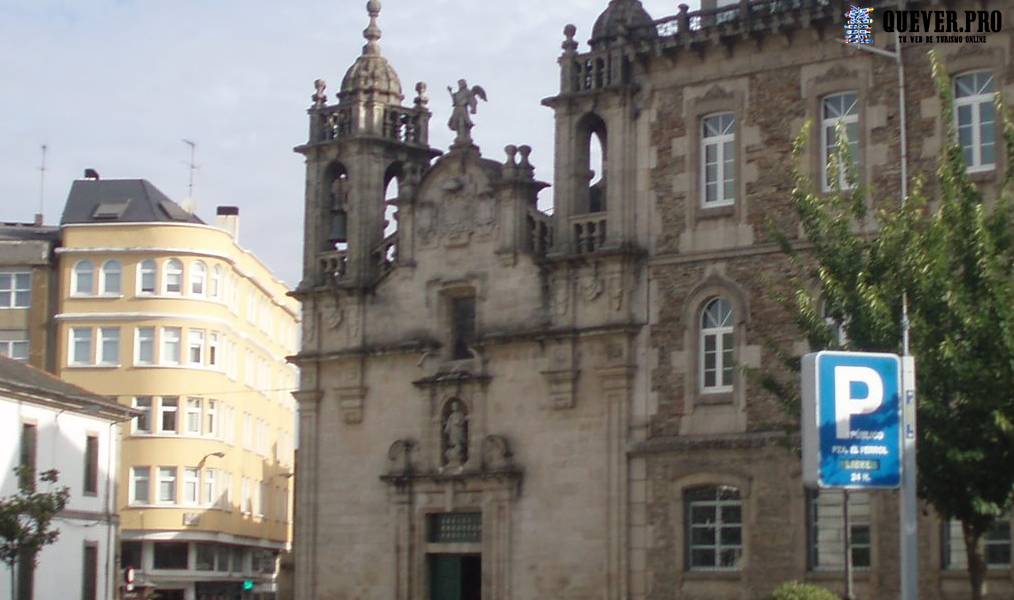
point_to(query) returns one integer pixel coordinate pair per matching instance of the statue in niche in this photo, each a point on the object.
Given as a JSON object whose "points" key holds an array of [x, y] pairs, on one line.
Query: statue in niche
{"points": [[464, 101], [455, 434]]}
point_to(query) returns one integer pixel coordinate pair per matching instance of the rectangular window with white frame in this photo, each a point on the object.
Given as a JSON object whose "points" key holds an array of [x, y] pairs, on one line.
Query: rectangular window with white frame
{"points": [[210, 490], [718, 160], [14, 344], [142, 423], [140, 479], [171, 345], [996, 546], [195, 346], [211, 418], [169, 412], [975, 118], [713, 524], [167, 485], [81, 346], [109, 346], [15, 289], [193, 416], [213, 349], [191, 485], [147, 277], [144, 346], [839, 112]]}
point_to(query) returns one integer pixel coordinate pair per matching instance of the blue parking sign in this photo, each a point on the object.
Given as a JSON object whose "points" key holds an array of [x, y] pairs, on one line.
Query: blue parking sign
{"points": [[851, 420]]}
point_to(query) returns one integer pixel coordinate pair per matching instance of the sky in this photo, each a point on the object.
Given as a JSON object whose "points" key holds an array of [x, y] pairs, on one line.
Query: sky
{"points": [[116, 85]]}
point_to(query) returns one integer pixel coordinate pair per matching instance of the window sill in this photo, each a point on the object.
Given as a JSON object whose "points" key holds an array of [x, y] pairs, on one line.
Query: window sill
{"points": [[702, 574], [88, 366], [14, 307], [716, 211], [716, 398], [982, 174], [996, 572], [835, 573]]}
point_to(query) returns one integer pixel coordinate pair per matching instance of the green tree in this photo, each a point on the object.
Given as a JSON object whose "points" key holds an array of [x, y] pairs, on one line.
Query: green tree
{"points": [[26, 523], [952, 255]]}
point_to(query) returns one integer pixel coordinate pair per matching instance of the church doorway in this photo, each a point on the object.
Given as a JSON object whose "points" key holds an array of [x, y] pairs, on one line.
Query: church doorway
{"points": [[455, 576]]}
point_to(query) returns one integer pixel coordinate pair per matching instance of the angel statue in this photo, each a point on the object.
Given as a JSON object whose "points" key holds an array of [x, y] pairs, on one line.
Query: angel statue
{"points": [[464, 101]]}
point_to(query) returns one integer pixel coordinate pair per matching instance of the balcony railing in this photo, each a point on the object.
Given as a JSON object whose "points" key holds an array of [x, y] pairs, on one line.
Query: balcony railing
{"points": [[334, 265], [404, 125], [749, 14], [386, 254], [589, 232], [540, 232]]}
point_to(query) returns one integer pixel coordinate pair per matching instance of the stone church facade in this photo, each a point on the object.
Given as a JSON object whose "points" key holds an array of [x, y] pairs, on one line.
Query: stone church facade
{"points": [[507, 403]]}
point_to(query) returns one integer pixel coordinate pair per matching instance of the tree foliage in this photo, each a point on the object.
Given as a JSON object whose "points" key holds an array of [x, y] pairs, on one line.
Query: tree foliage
{"points": [[950, 252], [795, 590], [26, 517]]}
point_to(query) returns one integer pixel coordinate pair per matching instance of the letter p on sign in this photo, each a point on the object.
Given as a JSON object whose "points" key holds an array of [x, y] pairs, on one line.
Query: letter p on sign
{"points": [[849, 398]]}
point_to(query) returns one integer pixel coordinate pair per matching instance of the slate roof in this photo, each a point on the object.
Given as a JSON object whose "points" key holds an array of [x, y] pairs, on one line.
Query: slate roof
{"points": [[25, 232], [19, 378], [121, 201]]}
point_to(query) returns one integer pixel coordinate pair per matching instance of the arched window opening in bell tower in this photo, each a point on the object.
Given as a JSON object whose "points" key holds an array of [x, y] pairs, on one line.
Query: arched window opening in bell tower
{"points": [[392, 193], [337, 206], [590, 165]]}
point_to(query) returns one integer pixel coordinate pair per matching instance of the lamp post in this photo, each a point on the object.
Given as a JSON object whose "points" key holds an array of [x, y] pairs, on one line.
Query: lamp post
{"points": [[200, 464]]}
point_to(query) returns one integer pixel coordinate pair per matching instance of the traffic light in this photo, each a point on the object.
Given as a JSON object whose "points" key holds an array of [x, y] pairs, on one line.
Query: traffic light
{"points": [[247, 585]]}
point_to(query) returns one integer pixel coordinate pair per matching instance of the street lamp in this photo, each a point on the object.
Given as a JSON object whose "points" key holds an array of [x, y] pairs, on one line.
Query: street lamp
{"points": [[200, 465]]}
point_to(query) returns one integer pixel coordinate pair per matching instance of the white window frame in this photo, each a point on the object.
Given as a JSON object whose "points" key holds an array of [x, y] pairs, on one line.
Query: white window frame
{"points": [[171, 335], [150, 410], [214, 350], [974, 102], [135, 478], [72, 350], [209, 487], [13, 289], [167, 474], [828, 142], [191, 486], [81, 267], [110, 335], [192, 415], [163, 409], [147, 267], [174, 273], [140, 340], [110, 267], [7, 348], [198, 279], [725, 135], [717, 332], [215, 283], [211, 417], [195, 341]]}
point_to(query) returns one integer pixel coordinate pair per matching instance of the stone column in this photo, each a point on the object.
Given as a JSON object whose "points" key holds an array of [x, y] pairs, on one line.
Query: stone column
{"points": [[305, 505]]}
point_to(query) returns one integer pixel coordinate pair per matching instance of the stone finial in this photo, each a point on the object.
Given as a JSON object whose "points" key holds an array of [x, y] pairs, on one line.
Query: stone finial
{"points": [[421, 99], [372, 32], [525, 165], [319, 97], [569, 45], [512, 156]]}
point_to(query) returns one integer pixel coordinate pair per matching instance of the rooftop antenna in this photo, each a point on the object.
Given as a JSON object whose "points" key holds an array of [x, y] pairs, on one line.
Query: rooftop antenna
{"points": [[193, 167], [42, 186]]}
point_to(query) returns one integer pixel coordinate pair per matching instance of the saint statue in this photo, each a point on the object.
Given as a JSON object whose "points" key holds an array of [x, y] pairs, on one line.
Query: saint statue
{"points": [[464, 101], [456, 436]]}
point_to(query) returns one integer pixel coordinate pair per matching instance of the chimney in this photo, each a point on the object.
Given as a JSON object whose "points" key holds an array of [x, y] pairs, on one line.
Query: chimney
{"points": [[227, 218], [91, 174], [38, 220]]}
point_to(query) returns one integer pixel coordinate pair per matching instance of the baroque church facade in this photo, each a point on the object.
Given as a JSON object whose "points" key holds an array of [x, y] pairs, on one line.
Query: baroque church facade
{"points": [[500, 402]]}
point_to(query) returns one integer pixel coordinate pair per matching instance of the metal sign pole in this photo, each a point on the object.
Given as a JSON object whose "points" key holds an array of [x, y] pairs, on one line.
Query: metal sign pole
{"points": [[909, 506]]}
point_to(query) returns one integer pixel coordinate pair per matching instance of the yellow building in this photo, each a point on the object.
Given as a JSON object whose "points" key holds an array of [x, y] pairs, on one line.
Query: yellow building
{"points": [[174, 318]]}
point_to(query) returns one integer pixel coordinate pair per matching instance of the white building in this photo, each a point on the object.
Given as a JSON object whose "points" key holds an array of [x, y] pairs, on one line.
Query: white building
{"points": [[50, 424]]}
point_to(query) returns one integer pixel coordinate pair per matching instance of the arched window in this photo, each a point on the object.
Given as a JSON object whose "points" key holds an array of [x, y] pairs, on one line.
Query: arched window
{"points": [[713, 528], [838, 108], [338, 199], [198, 278], [716, 366], [975, 116], [84, 278], [174, 277], [591, 165], [147, 275], [215, 286], [718, 160], [112, 278]]}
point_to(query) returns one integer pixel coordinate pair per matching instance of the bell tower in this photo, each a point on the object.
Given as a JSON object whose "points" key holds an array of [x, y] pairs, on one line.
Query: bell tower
{"points": [[356, 148]]}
